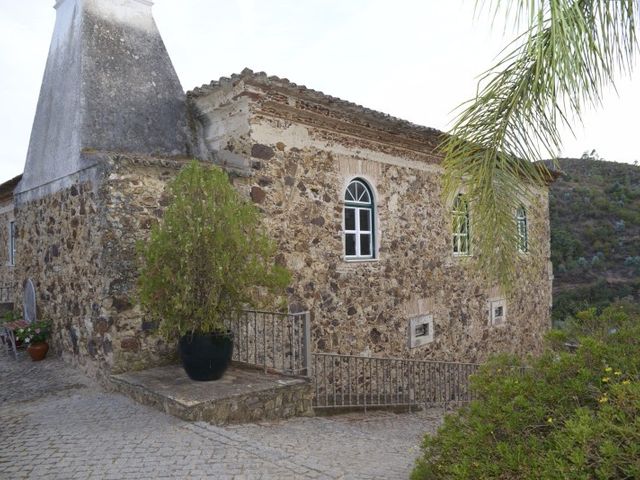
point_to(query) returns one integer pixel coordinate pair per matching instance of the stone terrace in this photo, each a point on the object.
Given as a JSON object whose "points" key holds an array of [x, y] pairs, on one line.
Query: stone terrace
{"points": [[242, 395], [57, 424]]}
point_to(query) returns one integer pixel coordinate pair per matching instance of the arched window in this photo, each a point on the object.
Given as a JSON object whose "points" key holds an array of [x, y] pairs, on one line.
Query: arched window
{"points": [[358, 221], [523, 234], [461, 237]]}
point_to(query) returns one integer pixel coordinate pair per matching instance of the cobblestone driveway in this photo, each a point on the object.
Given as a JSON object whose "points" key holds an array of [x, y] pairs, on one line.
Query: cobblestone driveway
{"points": [[57, 424]]}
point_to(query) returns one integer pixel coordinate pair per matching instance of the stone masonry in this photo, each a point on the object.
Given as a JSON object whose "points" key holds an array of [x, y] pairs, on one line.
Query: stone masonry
{"points": [[6, 217], [7, 278], [79, 246], [294, 151], [109, 86], [242, 395], [82, 206]]}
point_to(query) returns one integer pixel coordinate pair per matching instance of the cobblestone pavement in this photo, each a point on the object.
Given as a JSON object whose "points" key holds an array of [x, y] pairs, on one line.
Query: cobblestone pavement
{"points": [[57, 424]]}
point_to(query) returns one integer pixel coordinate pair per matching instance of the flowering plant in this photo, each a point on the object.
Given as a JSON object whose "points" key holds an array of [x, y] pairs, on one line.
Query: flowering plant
{"points": [[34, 333]]}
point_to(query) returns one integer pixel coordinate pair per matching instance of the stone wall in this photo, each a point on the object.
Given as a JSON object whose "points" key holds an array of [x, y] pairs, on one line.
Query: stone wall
{"points": [[57, 249], [301, 152], [6, 268], [364, 307], [78, 245], [293, 157], [242, 396], [135, 196]]}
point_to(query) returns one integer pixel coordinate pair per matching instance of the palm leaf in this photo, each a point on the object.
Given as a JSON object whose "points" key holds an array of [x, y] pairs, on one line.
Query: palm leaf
{"points": [[570, 51]]}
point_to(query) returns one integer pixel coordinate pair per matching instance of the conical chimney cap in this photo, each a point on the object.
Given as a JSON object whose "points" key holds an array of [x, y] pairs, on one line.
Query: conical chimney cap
{"points": [[109, 85]]}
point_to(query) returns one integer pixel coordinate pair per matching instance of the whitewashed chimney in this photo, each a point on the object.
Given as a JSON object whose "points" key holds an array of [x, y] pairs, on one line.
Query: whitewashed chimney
{"points": [[109, 85]]}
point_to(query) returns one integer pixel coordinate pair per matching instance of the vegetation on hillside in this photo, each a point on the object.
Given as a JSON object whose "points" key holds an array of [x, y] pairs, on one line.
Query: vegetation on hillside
{"points": [[570, 415], [595, 234]]}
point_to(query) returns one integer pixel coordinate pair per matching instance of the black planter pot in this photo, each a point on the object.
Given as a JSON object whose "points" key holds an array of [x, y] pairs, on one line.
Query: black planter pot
{"points": [[206, 356]]}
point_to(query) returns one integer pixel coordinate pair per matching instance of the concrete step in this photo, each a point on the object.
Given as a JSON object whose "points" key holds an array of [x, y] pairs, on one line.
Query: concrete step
{"points": [[241, 396]]}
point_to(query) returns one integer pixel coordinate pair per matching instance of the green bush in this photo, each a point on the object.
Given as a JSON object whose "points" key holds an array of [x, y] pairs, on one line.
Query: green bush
{"points": [[633, 262], [564, 246], [568, 416], [11, 316], [600, 295], [208, 257]]}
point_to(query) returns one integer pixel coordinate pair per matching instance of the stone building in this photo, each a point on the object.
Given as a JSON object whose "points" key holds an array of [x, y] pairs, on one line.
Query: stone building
{"points": [[8, 242], [352, 197]]}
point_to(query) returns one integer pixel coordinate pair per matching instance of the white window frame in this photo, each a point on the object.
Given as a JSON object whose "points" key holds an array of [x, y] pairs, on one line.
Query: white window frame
{"points": [[522, 228], [361, 204], [12, 243], [457, 235]]}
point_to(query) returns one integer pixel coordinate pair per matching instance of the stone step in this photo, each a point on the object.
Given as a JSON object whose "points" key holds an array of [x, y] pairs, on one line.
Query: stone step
{"points": [[241, 396]]}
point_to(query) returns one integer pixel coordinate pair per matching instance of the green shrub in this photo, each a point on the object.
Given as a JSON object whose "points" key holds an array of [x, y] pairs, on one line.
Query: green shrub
{"points": [[204, 262], [599, 295], [11, 316], [564, 246], [569, 416], [633, 262]]}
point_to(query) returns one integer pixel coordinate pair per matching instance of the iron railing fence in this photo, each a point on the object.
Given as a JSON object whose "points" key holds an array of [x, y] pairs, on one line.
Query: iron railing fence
{"points": [[346, 381], [281, 342], [6, 294], [273, 341]]}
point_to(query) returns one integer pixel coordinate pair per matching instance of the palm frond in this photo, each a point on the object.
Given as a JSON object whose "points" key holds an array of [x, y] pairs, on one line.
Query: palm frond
{"points": [[571, 50]]}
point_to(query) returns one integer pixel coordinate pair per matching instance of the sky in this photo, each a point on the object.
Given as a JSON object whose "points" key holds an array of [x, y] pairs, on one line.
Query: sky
{"points": [[414, 59]]}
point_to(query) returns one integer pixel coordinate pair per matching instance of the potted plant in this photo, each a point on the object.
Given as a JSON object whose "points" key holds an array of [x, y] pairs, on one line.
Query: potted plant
{"points": [[35, 337], [206, 261]]}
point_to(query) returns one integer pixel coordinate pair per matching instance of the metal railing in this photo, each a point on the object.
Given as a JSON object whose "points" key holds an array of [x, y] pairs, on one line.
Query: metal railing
{"points": [[346, 381], [281, 342], [278, 342], [6, 294]]}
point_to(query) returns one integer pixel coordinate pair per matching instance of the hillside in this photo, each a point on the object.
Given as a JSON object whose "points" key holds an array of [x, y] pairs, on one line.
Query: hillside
{"points": [[595, 234]]}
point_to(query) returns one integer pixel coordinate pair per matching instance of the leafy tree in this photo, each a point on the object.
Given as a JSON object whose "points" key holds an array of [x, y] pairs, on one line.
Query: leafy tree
{"points": [[208, 257], [592, 155], [570, 51]]}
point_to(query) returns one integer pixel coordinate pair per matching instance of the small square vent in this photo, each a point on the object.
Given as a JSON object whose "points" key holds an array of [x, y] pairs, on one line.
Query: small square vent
{"points": [[420, 330], [497, 312]]}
